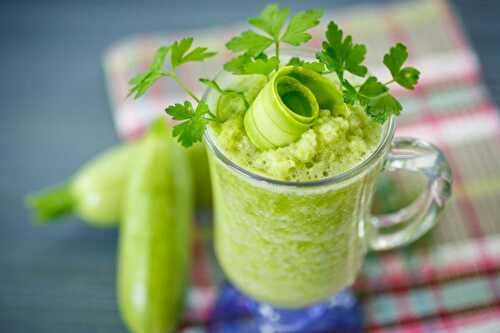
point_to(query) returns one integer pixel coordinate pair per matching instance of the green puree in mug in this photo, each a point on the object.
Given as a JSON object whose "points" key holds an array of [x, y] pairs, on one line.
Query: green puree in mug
{"points": [[338, 140], [290, 248]]}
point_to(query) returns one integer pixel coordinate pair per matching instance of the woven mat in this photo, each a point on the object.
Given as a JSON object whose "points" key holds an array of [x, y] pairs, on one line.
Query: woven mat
{"points": [[450, 280]]}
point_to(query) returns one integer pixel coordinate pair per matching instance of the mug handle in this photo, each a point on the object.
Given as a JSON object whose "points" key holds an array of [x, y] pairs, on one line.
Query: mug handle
{"points": [[411, 222]]}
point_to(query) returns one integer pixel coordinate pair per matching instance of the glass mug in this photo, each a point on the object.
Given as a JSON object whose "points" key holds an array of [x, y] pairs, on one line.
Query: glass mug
{"points": [[294, 244]]}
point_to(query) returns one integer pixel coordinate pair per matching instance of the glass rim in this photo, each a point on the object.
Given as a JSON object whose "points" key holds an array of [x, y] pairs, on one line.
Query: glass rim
{"points": [[387, 136]]}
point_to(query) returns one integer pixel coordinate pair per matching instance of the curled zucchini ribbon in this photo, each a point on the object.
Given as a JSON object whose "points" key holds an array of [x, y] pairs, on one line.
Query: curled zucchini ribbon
{"points": [[288, 105]]}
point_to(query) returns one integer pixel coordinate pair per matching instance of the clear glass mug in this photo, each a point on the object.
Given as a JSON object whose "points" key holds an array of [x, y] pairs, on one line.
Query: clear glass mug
{"points": [[292, 245]]}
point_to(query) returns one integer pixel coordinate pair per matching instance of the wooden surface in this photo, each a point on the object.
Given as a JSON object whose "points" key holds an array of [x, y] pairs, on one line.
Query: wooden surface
{"points": [[54, 115]]}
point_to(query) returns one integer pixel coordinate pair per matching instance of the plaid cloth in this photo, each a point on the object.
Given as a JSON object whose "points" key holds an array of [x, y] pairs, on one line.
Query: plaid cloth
{"points": [[449, 281]]}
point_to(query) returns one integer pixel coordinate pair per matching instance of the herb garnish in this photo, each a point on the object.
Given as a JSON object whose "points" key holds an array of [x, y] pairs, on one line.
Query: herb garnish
{"points": [[190, 130], [271, 21], [339, 55], [179, 55]]}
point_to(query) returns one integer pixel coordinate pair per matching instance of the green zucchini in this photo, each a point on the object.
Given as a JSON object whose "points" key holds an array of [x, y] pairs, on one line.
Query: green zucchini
{"points": [[154, 256], [96, 191]]}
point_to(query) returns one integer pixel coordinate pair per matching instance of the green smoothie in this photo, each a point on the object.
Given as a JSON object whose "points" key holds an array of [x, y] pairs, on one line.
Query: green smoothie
{"points": [[294, 145], [291, 246]]}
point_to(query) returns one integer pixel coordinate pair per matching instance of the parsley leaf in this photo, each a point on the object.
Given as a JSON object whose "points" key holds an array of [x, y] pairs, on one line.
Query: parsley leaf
{"points": [[271, 20], [137, 79], [261, 65], [381, 108], [192, 128], [340, 54], [395, 58], [295, 33], [355, 58], [189, 132], [406, 77], [372, 88], [198, 54], [378, 103], [295, 61], [237, 64], [250, 42], [179, 48], [350, 93], [142, 82], [245, 64], [314, 66], [159, 58], [180, 111]]}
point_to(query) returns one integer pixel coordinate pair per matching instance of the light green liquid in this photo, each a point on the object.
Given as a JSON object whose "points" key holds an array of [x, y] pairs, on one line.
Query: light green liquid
{"points": [[293, 247]]}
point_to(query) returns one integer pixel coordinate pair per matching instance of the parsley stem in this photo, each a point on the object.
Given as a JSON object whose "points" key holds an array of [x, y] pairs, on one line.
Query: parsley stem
{"points": [[242, 95], [385, 84], [212, 116], [185, 88], [278, 49]]}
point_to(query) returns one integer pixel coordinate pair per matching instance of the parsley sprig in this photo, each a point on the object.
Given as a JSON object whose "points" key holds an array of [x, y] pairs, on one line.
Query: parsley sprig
{"points": [[179, 55], [192, 120], [271, 22], [340, 55], [406, 77]]}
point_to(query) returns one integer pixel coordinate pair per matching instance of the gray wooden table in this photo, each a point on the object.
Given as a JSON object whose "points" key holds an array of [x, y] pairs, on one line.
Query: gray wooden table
{"points": [[54, 115]]}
